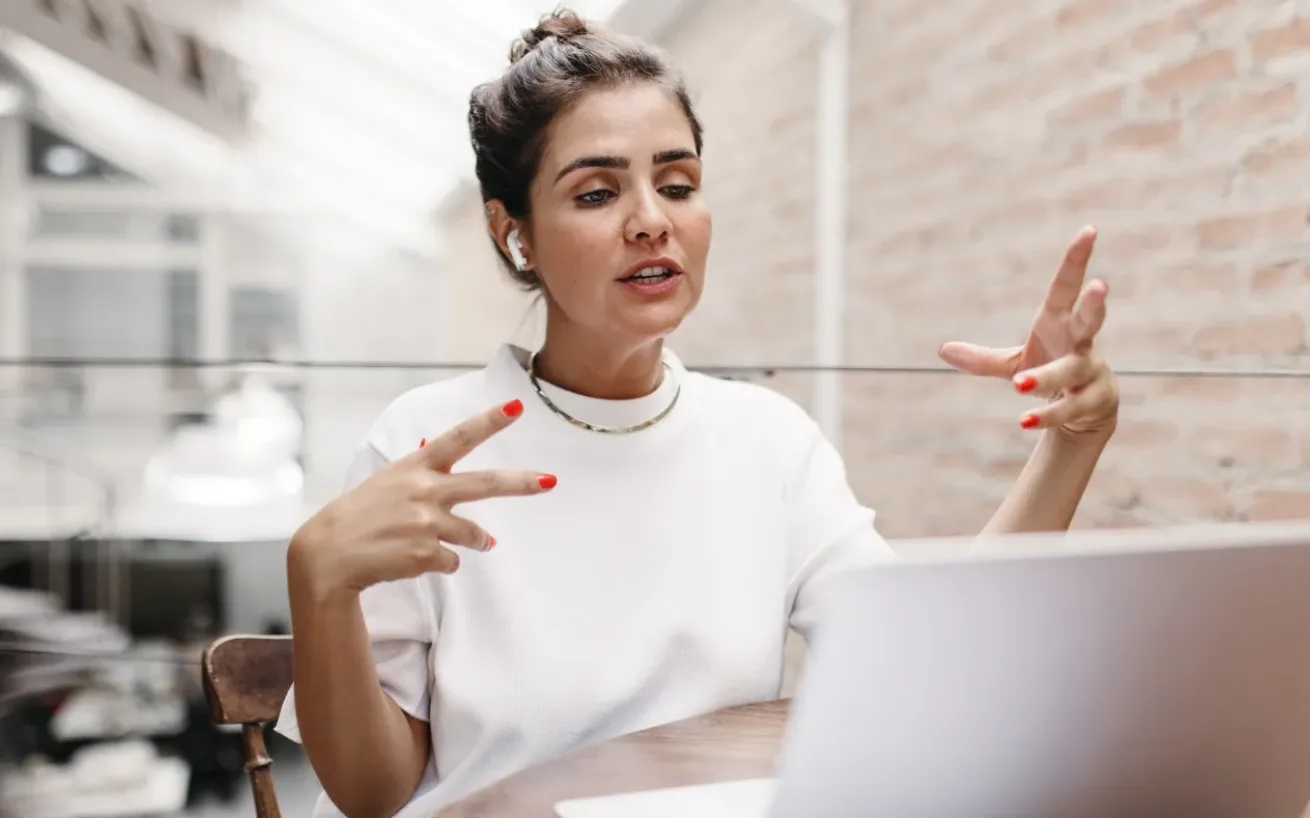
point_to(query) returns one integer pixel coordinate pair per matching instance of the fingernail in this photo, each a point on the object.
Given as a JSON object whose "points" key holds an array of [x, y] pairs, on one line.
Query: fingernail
{"points": [[491, 542], [1029, 422], [547, 481], [423, 443], [513, 409], [1025, 383]]}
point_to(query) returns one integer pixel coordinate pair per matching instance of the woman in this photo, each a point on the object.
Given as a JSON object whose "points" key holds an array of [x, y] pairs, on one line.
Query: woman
{"points": [[655, 531]]}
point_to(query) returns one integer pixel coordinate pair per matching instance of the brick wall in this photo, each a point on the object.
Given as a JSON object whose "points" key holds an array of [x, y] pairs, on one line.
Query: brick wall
{"points": [[984, 133], [755, 93]]}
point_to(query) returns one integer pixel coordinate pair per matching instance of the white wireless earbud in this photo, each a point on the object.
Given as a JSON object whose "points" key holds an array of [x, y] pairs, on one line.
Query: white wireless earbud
{"points": [[516, 250]]}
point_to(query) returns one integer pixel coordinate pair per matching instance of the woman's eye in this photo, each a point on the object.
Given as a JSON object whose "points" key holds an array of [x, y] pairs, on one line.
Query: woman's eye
{"points": [[677, 191], [595, 197]]}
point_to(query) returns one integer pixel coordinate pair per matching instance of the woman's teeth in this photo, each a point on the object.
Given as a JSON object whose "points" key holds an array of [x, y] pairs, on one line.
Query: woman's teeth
{"points": [[650, 273]]}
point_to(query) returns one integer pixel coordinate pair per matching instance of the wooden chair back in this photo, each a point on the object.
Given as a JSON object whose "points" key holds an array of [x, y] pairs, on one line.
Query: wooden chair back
{"points": [[246, 678]]}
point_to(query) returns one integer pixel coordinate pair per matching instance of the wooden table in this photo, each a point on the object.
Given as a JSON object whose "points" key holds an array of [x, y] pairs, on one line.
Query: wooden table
{"points": [[727, 745]]}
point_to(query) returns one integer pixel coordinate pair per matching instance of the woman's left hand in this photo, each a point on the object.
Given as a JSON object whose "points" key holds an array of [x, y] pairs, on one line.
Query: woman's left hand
{"points": [[1058, 360]]}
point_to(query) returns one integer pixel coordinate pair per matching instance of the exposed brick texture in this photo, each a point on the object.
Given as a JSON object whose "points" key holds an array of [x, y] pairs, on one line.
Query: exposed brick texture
{"points": [[983, 134]]}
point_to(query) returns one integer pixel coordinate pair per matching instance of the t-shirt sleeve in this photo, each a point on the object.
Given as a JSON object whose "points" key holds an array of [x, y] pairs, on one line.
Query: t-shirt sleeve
{"points": [[401, 626], [830, 532]]}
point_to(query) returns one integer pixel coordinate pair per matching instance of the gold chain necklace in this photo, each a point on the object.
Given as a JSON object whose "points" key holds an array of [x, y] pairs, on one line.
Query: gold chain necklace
{"points": [[591, 427]]}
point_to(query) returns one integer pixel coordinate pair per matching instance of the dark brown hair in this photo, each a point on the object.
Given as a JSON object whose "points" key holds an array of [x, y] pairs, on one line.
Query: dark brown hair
{"points": [[551, 67]]}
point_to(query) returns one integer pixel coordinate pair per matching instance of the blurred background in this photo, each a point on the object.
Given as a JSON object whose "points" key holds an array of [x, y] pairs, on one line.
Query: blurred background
{"points": [[231, 231]]}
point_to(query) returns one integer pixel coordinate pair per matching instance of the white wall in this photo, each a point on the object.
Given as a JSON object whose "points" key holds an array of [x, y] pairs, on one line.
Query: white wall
{"points": [[366, 305]]}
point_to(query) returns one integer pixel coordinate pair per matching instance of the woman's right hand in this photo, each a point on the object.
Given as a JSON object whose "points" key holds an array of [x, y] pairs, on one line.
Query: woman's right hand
{"points": [[397, 523]]}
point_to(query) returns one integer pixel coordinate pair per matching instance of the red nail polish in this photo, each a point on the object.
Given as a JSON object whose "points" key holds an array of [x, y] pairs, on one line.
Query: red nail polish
{"points": [[491, 542], [547, 481], [1027, 383], [1029, 421], [423, 443], [513, 409]]}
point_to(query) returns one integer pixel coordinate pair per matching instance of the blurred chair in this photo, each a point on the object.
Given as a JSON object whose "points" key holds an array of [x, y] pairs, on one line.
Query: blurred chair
{"points": [[246, 678]]}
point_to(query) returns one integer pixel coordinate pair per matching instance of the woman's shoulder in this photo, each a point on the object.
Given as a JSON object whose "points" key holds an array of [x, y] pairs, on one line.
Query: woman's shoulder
{"points": [[753, 407]]}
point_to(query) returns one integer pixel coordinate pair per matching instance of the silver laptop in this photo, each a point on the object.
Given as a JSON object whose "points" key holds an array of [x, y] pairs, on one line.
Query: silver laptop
{"points": [[1161, 674]]}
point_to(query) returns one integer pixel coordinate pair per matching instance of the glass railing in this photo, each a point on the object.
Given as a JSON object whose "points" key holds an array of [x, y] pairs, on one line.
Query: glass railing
{"points": [[933, 451]]}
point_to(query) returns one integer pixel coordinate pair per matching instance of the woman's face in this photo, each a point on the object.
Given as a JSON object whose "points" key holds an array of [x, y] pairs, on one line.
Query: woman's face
{"points": [[619, 232]]}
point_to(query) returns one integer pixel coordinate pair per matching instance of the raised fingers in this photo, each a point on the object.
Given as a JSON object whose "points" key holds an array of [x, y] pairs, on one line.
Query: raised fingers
{"points": [[1068, 281], [443, 452], [466, 487], [1089, 313]]}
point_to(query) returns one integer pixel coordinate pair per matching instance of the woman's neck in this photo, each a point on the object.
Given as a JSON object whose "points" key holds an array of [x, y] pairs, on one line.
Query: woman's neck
{"points": [[600, 369]]}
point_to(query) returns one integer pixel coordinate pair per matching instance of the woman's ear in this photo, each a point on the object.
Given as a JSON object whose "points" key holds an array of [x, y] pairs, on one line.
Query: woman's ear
{"points": [[508, 235]]}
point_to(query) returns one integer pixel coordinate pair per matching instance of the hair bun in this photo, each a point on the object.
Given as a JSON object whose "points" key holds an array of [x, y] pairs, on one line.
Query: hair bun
{"points": [[561, 24]]}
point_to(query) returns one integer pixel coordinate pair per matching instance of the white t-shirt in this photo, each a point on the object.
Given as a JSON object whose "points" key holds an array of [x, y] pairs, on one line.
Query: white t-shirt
{"points": [[655, 582]]}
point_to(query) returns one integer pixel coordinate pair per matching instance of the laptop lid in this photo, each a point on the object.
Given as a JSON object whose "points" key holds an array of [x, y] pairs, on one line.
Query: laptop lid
{"points": [[1128, 673]]}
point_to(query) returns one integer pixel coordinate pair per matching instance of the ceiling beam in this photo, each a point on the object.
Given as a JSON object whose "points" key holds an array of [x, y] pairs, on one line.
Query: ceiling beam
{"points": [[126, 44]]}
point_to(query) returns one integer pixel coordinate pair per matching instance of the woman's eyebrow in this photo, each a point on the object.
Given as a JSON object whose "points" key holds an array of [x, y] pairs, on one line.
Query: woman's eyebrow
{"points": [[621, 162], [617, 162]]}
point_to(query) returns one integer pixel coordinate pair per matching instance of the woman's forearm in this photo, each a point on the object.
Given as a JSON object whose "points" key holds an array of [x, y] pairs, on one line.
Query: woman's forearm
{"points": [[1051, 485], [368, 754]]}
